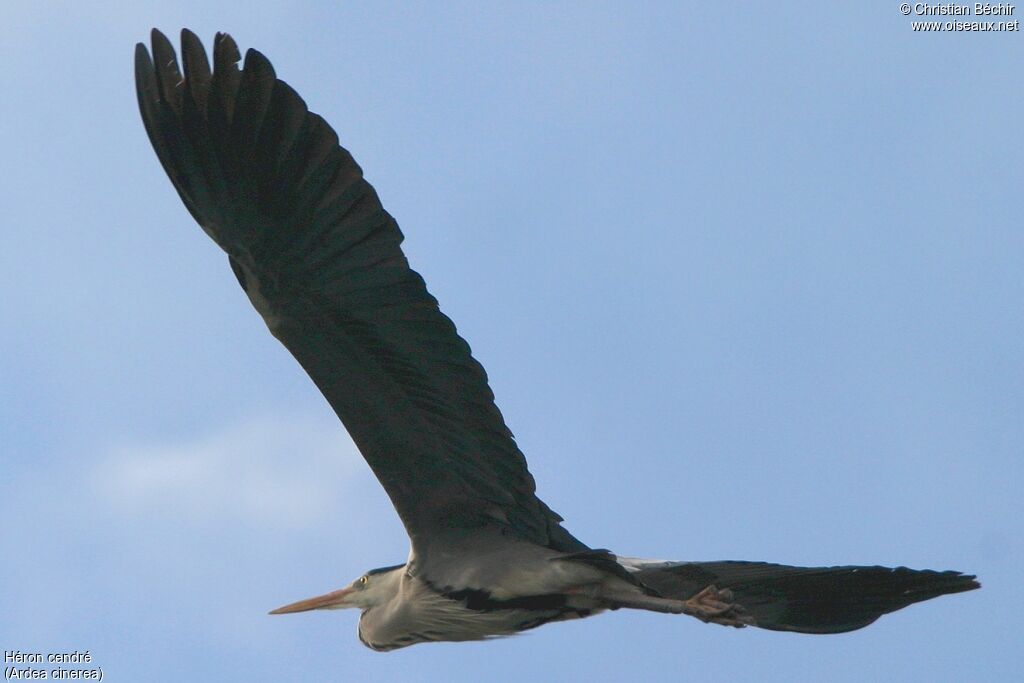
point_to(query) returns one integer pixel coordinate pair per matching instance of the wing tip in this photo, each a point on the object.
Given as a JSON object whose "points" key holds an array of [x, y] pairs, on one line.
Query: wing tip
{"points": [[257, 64], [160, 41], [141, 55], [225, 49], [967, 582]]}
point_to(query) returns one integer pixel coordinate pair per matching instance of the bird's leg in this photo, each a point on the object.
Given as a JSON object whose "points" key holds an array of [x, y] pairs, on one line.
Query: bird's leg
{"points": [[717, 607], [709, 605]]}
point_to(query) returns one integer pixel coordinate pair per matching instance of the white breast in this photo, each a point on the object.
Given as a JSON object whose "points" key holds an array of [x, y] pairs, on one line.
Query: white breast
{"points": [[419, 614]]}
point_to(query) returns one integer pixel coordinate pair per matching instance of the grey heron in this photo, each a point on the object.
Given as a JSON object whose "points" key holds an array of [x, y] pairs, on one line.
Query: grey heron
{"points": [[320, 260]]}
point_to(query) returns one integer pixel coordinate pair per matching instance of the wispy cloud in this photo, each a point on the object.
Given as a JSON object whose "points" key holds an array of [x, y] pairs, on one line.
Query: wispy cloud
{"points": [[271, 471]]}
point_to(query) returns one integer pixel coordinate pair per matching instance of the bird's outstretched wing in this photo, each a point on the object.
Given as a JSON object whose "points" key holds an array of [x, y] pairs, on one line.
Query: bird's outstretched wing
{"points": [[320, 259], [804, 599]]}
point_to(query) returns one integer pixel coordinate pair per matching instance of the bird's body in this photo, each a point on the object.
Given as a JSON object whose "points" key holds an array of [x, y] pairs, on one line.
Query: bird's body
{"points": [[415, 611], [320, 260], [526, 588]]}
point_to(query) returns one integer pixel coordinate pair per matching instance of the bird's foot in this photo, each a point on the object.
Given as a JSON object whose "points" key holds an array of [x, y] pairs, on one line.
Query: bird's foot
{"points": [[717, 607]]}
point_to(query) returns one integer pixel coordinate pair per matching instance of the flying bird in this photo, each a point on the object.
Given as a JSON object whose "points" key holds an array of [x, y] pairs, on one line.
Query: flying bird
{"points": [[321, 261]]}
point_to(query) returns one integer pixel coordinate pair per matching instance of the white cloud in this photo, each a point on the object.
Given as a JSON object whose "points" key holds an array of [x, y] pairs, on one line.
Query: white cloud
{"points": [[274, 471]]}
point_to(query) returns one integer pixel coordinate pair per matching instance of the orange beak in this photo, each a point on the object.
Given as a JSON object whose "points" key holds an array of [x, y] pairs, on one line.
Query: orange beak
{"points": [[330, 600]]}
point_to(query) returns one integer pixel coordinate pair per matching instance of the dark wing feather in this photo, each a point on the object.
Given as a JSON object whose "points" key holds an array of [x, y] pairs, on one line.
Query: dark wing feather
{"points": [[321, 261], [807, 599]]}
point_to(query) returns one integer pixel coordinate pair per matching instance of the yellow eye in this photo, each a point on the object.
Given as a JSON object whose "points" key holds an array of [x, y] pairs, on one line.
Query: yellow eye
{"points": [[363, 580]]}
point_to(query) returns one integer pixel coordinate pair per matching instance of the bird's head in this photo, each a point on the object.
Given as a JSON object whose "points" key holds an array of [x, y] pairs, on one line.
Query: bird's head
{"points": [[373, 588]]}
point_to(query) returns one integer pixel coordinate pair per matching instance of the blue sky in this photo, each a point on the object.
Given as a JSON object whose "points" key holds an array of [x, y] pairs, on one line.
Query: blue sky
{"points": [[747, 283]]}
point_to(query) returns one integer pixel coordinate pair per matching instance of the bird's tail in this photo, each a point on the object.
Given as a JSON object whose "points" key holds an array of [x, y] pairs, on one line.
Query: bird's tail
{"points": [[802, 599]]}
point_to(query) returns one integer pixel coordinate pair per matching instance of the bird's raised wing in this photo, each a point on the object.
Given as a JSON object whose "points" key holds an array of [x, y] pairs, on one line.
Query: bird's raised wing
{"points": [[320, 260]]}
